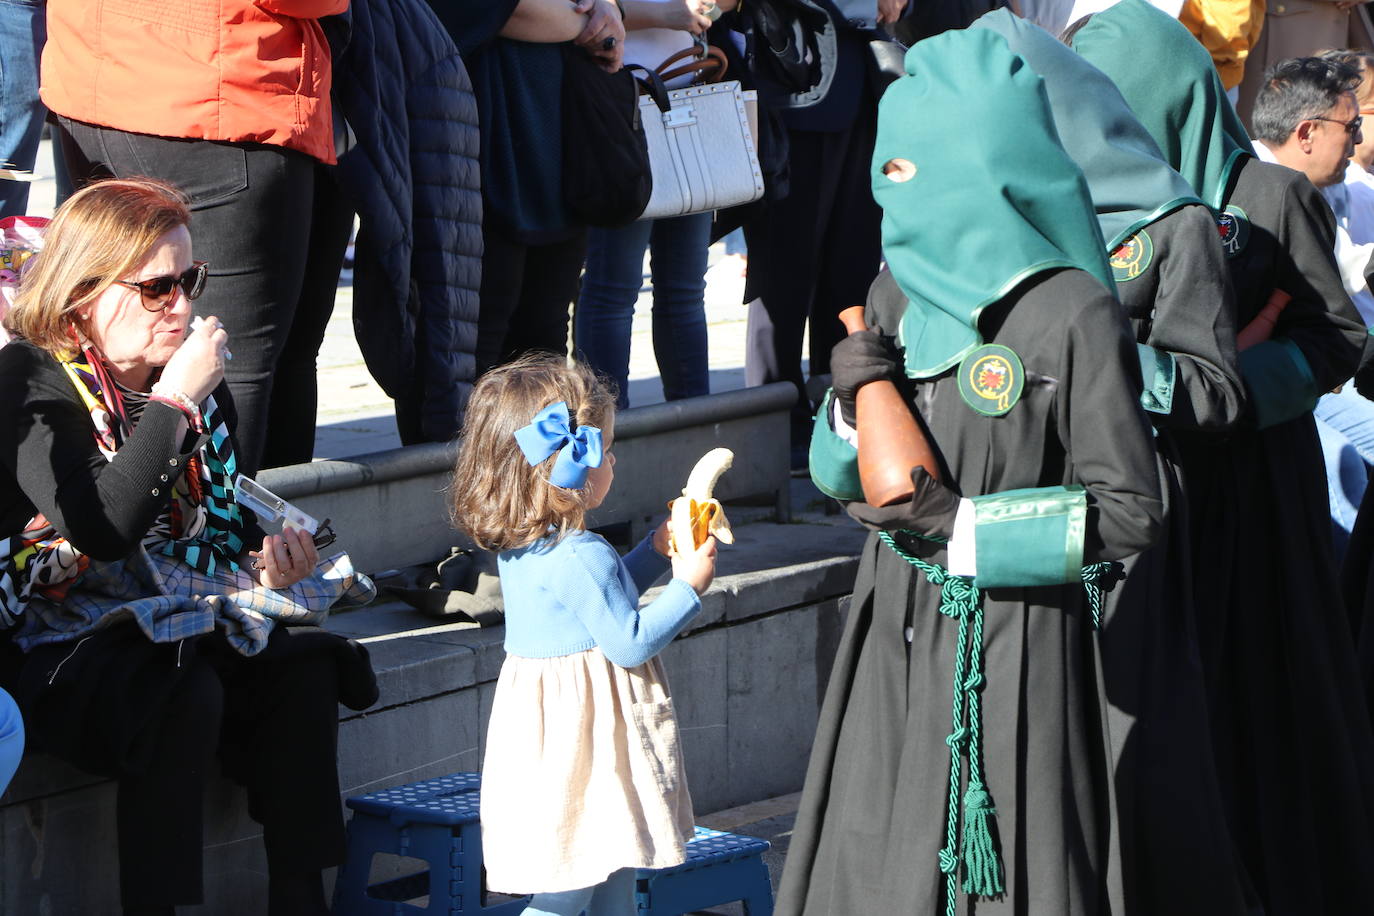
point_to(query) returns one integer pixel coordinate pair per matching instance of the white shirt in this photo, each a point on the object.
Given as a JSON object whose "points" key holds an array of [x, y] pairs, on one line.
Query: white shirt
{"points": [[1352, 201]]}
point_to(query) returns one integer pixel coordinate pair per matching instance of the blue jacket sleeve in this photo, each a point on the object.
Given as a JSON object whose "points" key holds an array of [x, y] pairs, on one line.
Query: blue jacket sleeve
{"points": [[645, 564], [626, 634]]}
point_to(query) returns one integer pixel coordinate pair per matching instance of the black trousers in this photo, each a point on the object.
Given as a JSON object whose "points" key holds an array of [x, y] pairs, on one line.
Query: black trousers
{"points": [[527, 295], [811, 255], [157, 716], [274, 227]]}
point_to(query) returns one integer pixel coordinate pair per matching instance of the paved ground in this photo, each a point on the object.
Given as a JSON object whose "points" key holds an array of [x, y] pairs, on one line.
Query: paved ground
{"points": [[355, 415]]}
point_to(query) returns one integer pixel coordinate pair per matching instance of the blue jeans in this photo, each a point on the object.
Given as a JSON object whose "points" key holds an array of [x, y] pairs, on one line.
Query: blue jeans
{"points": [[23, 32], [613, 897], [606, 308], [1345, 423]]}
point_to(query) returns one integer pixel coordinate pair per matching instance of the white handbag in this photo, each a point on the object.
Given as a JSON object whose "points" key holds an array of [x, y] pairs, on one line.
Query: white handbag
{"points": [[701, 148]]}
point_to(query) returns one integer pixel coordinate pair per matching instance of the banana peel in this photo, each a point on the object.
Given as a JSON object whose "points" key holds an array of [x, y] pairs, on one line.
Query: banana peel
{"points": [[696, 514]]}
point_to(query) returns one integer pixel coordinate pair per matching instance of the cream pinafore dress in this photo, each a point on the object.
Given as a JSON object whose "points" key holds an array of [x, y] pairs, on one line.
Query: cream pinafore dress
{"points": [[582, 775]]}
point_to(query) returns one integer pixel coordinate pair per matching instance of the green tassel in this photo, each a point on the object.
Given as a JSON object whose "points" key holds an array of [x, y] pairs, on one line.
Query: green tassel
{"points": [[982, 863]]}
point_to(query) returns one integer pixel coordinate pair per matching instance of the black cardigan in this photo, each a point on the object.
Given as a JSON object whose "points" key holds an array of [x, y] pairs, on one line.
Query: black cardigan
{"points": [[49, 461]]}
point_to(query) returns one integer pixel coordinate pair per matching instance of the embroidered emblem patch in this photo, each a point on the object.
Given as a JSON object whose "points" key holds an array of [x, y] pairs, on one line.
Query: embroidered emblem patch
{"points": [[991, 379], [1132, 257], [1234, 228]]}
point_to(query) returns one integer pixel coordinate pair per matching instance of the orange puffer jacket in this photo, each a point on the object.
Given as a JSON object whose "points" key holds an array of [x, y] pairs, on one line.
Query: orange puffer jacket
{"points": [[206, 69]]}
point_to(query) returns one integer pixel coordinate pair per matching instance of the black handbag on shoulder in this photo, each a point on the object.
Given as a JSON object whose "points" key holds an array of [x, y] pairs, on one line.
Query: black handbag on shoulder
{"points": [[607, 180]]}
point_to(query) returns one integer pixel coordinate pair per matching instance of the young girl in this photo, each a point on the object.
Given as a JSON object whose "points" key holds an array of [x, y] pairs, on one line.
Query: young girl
{"points": [[583, 779]]}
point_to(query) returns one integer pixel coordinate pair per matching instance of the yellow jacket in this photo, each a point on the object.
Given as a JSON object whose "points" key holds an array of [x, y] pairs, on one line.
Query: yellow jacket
{"points": [[1228, 29]]}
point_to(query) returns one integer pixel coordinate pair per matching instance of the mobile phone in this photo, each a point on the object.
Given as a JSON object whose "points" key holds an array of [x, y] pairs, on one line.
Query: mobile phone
{"points": [[269, 507]]}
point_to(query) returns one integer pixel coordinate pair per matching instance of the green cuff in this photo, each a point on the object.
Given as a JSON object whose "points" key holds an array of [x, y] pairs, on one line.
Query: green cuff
{"points": [[1030, 537], [1279, 381], [1157, 370], [834, 462]]}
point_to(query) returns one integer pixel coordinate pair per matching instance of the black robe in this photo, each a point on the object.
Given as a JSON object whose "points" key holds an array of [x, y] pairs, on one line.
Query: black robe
{"points": [[871, 822], [1175, 844], [1290, 731]]}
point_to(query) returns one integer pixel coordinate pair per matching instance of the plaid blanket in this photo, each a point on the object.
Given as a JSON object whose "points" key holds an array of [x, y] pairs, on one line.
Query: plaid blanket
{"points": [[170, 600]]}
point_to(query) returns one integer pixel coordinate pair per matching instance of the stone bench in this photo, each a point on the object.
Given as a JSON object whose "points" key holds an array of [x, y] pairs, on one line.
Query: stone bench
{"points": [[748, 678]]}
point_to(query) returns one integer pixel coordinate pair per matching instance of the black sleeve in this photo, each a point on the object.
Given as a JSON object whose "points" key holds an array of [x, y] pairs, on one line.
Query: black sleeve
{"points": [[473, 23], [104, 508], [1103, 427], [1195, 322], [1320, 319]]}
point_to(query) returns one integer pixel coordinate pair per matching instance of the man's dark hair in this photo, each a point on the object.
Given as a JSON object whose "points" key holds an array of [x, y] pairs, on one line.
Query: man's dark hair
{"points": [[1296, 90]]}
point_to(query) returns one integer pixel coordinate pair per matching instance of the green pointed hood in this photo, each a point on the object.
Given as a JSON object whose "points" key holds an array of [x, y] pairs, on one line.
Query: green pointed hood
{"points": [[1130, 183], [994, 198], [1168, 79]]}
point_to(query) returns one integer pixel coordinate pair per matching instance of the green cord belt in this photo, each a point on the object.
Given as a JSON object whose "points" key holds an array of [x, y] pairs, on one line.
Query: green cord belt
{"points": [[961, 600]]}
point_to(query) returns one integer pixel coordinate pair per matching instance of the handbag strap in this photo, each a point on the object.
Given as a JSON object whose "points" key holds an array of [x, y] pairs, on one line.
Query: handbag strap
{"points": [[702, 59], [651, 84]]}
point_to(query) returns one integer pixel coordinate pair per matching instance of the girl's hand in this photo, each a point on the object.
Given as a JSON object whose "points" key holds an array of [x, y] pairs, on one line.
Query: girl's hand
{"points": [[663, 542], [697, 568], [285, 558], [197, 367]]}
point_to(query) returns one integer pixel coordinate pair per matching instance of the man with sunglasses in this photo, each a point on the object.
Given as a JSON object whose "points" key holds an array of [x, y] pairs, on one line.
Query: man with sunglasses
{"points": [[1306, 118]]}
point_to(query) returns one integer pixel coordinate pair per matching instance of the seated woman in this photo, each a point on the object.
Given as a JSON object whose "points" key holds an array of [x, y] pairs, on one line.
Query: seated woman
{"points": [[148, 624]]}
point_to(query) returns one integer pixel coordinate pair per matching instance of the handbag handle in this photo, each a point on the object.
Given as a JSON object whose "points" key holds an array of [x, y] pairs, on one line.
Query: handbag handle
{"points": [[703, 59], [651, 84], [712, 59]]}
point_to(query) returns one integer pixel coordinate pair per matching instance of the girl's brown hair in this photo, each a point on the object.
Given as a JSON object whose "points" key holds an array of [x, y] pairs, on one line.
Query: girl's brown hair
{"points": [[100, 234], [499, 500]]}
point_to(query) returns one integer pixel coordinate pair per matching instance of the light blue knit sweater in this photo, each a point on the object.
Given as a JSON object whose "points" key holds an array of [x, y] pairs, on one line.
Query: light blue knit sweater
{"points": [[568, 596]]}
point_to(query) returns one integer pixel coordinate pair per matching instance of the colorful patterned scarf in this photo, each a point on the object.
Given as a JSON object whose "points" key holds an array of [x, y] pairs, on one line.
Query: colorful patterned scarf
{"points": [[202, 526]]}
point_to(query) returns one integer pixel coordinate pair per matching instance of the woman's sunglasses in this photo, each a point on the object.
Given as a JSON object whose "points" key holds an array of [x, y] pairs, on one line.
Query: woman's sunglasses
{"points": [[157, 293]]}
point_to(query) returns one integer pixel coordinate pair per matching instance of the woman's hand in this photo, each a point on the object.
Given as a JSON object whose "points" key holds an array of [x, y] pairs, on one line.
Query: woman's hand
{"points": [[891, 10], [685, 16], [285, 558], [698, 567], [197, 367], [604, 34]]}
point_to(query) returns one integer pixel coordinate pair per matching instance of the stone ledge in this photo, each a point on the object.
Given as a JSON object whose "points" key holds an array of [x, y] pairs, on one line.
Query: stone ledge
{"points": [[418, 658]]}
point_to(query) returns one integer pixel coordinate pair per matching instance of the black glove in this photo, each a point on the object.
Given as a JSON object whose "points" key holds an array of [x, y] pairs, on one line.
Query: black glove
{"points": [[855, 361], [930, 511]]}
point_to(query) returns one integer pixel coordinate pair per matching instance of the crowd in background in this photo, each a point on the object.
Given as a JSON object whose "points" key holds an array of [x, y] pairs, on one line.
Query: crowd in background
{"points": [[437, 125]]}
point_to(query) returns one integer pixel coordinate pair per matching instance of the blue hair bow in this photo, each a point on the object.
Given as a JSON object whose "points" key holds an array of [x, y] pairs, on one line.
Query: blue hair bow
{"points": [[549, 432]]}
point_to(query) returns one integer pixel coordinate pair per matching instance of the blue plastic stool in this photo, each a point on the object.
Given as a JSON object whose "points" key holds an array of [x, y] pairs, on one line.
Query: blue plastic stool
{"points": [[720, 868], [435, 820]]}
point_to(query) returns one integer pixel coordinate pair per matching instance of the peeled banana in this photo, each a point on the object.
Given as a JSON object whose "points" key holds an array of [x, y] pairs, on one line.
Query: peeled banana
{"points": [[695, 514]]}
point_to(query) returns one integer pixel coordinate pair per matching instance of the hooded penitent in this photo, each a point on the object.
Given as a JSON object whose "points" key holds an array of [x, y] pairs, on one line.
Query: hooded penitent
{"points": [[976, 190], [1130, 183], [1168, 80]]}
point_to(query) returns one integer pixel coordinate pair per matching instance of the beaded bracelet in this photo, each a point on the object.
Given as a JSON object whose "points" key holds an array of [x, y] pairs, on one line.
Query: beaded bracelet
{"points": [[181, 402]]}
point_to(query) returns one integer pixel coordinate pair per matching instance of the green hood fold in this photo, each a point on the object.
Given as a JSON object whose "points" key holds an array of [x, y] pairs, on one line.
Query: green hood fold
{"points": [[994, 198], [1130, 183], [1168, 79]]}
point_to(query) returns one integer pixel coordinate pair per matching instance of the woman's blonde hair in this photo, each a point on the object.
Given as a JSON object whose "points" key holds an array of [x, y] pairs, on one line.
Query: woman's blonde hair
{"points": [[498, 499], [99, 235]]}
